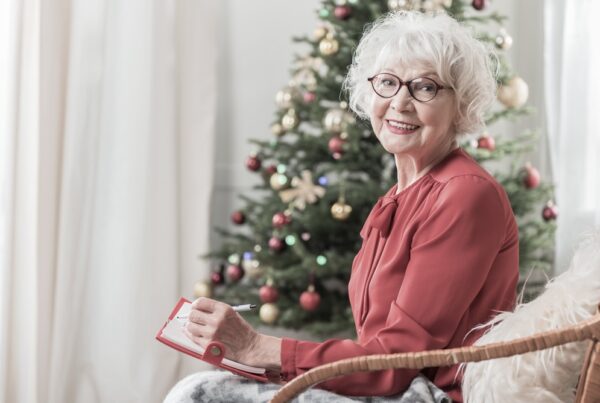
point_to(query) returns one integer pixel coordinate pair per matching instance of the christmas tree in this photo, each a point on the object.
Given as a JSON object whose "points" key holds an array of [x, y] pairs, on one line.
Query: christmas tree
{"points": [[324, 170]]}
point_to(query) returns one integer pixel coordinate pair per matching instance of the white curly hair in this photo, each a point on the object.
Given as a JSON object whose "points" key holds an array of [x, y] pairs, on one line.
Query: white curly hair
{"points": [[437, 42]]}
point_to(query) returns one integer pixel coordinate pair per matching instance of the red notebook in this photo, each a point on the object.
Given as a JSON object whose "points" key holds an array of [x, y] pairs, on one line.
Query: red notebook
{"points": [[173, 336]]}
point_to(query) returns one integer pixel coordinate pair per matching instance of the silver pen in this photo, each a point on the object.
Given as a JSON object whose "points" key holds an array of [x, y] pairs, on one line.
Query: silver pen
{"points": [[237, 308]]}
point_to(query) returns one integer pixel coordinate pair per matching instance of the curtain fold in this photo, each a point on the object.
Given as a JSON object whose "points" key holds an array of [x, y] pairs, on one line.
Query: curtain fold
{"points": [[572, 87], [19, 78], [107, 169]]}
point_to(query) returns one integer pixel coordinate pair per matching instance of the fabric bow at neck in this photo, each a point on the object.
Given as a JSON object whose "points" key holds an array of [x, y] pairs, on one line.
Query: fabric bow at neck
{"points": [[383, 214]]}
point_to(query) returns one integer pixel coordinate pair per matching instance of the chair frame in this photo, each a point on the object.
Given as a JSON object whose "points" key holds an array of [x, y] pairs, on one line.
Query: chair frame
{"points": [[588, 390]]}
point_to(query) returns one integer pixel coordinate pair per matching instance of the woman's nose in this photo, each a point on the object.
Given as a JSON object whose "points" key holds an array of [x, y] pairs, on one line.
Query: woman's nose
{"points": [[402, 100]]}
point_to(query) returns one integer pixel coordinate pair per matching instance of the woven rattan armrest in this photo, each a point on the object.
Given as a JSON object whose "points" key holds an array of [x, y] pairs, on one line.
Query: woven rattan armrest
{"points": [[589, 384]]}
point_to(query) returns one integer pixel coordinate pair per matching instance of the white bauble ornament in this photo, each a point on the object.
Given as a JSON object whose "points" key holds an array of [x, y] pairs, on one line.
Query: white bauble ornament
{"points": [[514, 94]]}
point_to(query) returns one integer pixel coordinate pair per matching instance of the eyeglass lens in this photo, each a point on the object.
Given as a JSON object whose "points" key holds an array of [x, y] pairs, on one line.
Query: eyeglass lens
{"points": [[387, 85]]}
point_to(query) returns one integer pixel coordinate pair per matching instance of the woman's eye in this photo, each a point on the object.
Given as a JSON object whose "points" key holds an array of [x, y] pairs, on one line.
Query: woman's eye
{"points": [[388, 83], [425, 87]]}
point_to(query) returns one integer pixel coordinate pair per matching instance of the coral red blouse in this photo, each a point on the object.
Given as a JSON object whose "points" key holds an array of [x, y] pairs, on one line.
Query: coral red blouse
{"points": [[438, 258]]}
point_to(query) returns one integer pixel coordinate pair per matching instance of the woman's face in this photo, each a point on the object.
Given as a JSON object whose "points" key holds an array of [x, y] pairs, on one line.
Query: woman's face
{"points": [[407, 127]]}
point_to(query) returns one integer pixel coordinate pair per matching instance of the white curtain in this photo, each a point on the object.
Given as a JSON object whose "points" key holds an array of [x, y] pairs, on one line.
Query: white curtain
{"points": [[572, 86], [107, 121]]}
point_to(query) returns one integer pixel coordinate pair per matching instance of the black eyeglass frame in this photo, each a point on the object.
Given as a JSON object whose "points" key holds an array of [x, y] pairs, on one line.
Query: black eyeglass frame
{"points": [[407, 83]]}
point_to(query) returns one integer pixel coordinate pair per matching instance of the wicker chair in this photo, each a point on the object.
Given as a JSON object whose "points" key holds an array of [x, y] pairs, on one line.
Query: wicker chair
{"points": [[588, 390]]}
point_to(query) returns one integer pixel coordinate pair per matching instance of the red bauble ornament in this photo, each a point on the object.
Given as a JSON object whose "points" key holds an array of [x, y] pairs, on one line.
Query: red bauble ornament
{"points": [[238, 217], [486, 142], [268, 294], [270, 170], [550, 212], [309, 97], [280, 219], [235, 272], [217, 278], [276, 244], [253, 163], [342, 12], [478, 4], [310, 299], [531, 178], [336, 145]]}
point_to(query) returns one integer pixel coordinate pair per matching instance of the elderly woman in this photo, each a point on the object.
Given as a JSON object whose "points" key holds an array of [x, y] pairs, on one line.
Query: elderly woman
{"points": [[440, 248]]}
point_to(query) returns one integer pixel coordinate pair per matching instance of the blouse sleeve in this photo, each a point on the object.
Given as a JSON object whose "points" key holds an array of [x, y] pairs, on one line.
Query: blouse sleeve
{"points": [[451, 254]]}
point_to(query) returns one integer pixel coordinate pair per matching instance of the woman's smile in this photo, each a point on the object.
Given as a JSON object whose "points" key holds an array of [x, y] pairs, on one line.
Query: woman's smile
{"points": [[400, 127]]}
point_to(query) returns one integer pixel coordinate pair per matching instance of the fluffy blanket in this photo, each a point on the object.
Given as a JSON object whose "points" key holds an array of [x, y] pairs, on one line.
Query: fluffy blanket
{"points": [[221, 386], [550, 375]]}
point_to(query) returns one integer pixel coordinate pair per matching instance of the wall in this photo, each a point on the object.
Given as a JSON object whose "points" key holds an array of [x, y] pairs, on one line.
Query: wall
{"points": [[526, 26]]}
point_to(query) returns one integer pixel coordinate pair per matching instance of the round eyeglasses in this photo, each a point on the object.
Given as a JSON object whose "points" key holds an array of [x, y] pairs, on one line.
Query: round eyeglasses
{"points": [[422, 89]]}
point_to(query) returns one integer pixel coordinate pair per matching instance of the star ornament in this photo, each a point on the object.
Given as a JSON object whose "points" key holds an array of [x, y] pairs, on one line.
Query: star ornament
{"points": [[303, 191]]}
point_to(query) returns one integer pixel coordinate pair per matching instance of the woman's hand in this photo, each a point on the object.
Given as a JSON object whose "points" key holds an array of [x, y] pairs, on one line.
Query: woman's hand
{"points": [[213, 320]]}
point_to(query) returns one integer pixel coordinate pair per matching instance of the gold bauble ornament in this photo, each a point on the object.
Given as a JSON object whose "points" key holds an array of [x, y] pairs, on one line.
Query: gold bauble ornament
{"points": [[305, 78], [309, 63], [336, 120], [277, 129], [268, 313], [319, 33], [255, 273], [341, 210], [247, 264], [328, 46], [290, 120], [278, 181], [306, 71], [397, 5], [428, 5], [514, 94], [253, 269], [284, 97], [203, 289], [433, 6]]}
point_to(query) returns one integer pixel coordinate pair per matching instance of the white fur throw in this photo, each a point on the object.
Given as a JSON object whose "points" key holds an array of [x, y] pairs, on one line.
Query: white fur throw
{"points": [[549, 375]]}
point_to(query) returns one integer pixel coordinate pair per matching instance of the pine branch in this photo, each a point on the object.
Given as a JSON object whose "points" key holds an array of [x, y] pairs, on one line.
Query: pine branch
{"points": [[484, 19], [509, 113]]}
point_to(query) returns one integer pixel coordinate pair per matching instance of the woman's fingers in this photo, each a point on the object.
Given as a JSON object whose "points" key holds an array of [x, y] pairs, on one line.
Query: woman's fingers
{"points": [[206, 304], [213, 320], [200, 324], [195, 330], [196, 338], [198, 317]]}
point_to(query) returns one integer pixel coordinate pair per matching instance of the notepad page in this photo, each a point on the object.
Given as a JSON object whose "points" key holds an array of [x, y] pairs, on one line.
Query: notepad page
{"points": [[173, 332]]}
